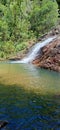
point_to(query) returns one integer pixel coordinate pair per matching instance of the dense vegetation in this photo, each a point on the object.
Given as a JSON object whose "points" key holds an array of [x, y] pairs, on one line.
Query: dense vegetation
{"points": [[22, 21]]}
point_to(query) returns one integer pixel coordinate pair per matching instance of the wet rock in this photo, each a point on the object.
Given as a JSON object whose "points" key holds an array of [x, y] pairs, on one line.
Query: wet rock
{"points": [[50, 56], [3, 124], [14, 58]]}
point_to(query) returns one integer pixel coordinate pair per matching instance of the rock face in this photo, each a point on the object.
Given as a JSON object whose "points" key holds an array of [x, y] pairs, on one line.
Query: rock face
{"points": [[49, 57]]}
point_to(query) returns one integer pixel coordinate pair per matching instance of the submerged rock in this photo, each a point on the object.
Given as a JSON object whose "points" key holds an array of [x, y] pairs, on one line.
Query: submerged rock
{"points": [[3, 124], [50, 56]]}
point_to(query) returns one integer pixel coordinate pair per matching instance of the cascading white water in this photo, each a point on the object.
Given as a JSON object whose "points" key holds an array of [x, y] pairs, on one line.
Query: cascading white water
{"points": [[33, 52]]}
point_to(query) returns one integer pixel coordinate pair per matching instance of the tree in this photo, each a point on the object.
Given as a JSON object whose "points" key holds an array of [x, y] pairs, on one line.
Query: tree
{"points": [[43, 16], [22, 20]]}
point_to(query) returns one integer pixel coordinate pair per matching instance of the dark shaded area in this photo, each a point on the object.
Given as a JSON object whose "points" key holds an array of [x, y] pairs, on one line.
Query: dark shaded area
{"points": [[58, 2]]}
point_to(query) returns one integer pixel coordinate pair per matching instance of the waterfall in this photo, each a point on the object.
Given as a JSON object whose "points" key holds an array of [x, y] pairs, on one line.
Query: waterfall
{"points": [[34, 50]]}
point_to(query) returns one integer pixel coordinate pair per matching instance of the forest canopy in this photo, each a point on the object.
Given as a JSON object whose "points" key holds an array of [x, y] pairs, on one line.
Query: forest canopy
{"points": [[23, 20]]}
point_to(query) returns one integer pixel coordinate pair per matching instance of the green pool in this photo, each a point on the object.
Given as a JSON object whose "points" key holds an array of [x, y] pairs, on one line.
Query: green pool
{"points": [[29, 97]]}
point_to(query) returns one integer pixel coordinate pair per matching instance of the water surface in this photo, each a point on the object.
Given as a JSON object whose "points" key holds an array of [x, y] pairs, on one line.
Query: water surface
{"points": [[29, 97]]}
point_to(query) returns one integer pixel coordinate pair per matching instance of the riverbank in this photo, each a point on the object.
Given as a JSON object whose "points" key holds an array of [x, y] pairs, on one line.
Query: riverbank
{"points": [[49, 57]]}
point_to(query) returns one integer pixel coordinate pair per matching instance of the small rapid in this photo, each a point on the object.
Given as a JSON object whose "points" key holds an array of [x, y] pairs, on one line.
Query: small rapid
{"points": [[34, 50]]}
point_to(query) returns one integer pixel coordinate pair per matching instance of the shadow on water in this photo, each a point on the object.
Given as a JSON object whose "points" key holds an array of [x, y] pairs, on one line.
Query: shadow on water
{"points": [[28, 110]]}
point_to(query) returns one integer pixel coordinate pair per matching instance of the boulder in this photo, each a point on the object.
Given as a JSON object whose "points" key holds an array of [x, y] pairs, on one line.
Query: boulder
{"points": [[3, 124]]}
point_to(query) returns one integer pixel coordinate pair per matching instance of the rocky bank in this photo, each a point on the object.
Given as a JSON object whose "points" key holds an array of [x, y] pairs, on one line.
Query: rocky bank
{"points": [[49, 56]]}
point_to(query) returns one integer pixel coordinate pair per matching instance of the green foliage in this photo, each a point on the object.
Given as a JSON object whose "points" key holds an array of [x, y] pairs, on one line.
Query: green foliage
{"points": [[22, 20], [8, 47], [2, 55], [43, 16], [21, 46]]}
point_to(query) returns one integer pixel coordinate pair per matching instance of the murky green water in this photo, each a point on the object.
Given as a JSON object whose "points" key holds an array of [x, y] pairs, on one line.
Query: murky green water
{"points": [[29, 97]]}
